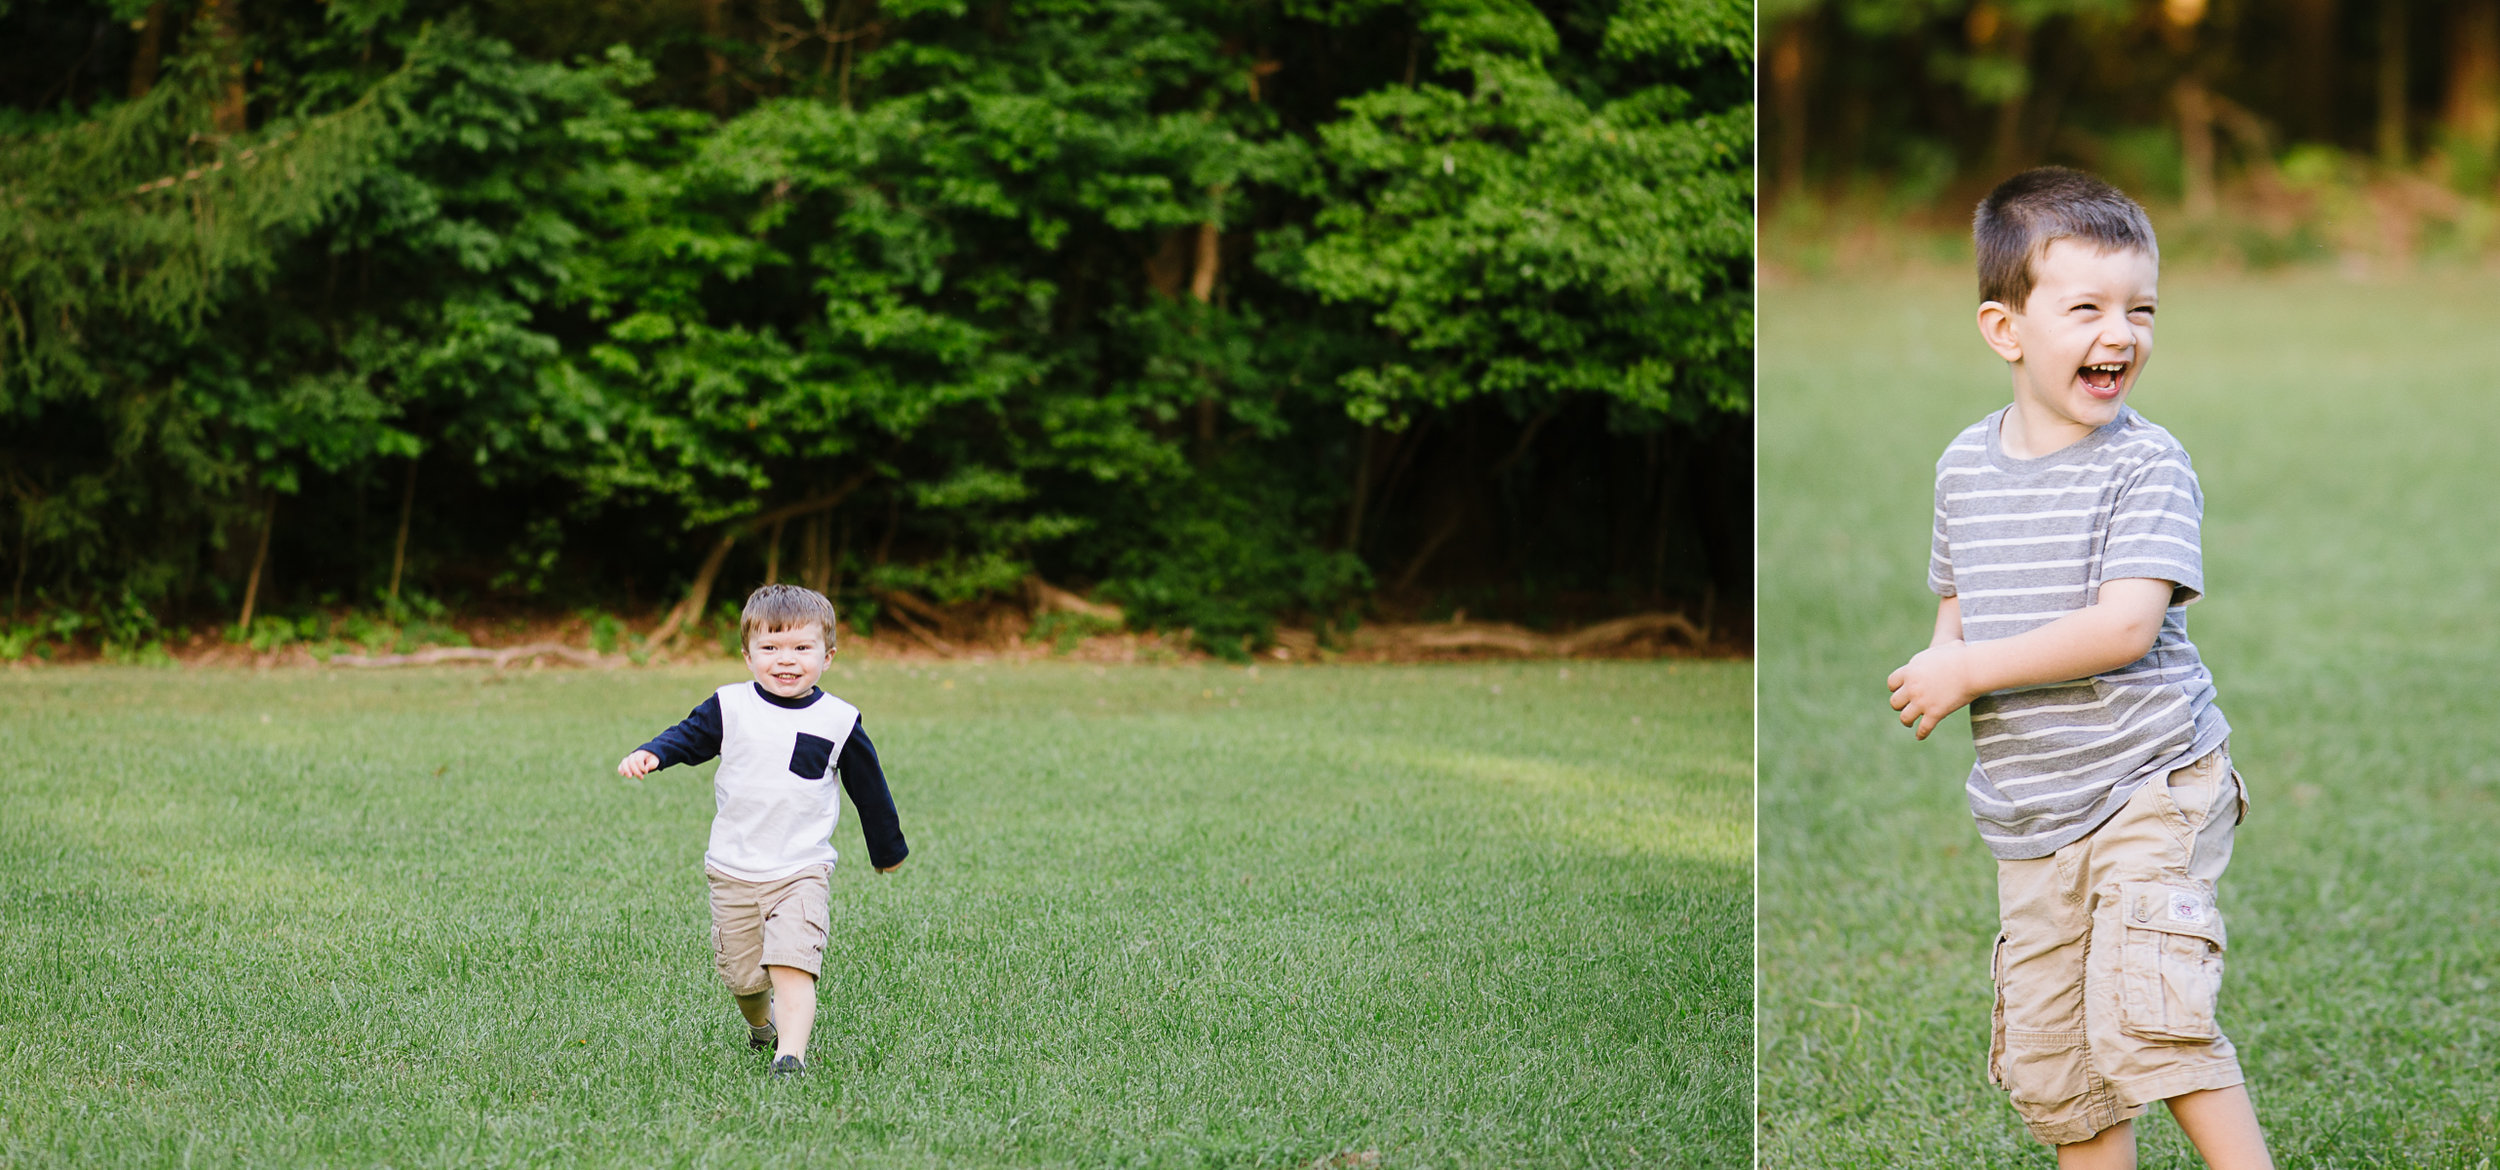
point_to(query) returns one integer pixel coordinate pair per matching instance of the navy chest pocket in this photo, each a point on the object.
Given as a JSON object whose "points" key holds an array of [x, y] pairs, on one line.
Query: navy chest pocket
{"points": [[811, 755]]}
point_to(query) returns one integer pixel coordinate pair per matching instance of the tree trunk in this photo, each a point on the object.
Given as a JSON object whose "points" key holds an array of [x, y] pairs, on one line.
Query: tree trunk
{"points": [[716, 66], [260, 559], [772, 554], [1169, 264], [1441, 534], [1202, 275], [224, 20], [25, 556], [151, 53], [833, 580], [2391, 84], [1210, 257], [1402, 448], [2196, 146], [700, 593], [1670, 497], [2470, 110], [2008, 147], [399, 548], [811, 557], [893, 524], [1202, 290], [2309, 99], [1362, 490], [1788, 101]]}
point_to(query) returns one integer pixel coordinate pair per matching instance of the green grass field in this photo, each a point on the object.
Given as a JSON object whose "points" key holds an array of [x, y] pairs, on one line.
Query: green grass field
{"points": [[2344, 434], [1444, 916]]}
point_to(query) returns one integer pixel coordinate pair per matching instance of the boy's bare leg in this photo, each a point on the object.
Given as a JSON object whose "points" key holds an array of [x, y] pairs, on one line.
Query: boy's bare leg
{"points": [[795, 991], [2110, 1149], [757, 1008], [2223, 1124]]}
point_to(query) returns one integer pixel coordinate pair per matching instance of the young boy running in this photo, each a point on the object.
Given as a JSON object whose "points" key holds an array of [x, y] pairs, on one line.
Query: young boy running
{"points": [[2065, 554], [780, 741]]}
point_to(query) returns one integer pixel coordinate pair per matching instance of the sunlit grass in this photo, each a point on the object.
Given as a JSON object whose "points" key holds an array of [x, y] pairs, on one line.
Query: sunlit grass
{"points": [[1440, 916], [2343, 433]]}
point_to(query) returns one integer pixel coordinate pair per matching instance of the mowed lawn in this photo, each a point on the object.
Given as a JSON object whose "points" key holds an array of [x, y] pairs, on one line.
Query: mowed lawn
{"points": [[1485, 915], [2345, 435]]}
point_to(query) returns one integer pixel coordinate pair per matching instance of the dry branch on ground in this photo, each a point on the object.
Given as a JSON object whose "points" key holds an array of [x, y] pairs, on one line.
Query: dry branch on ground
{"points": [[502, 658]]}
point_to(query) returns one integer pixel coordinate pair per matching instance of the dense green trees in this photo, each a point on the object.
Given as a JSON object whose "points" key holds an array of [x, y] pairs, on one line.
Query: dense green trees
{"points": [[1233, 310], [2176, 98]]}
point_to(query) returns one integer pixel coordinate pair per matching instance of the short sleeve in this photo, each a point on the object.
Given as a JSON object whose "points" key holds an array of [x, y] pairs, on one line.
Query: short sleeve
{"points": [[1940, 548], [2156, 525]]}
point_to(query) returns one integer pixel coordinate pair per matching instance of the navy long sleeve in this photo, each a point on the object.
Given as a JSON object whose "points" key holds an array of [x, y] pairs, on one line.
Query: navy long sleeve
{"points": [[864, 779], [692, 741]]}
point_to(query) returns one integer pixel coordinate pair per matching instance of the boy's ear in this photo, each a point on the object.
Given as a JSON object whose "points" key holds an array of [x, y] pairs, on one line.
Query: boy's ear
{"points": [[1996, 327]]}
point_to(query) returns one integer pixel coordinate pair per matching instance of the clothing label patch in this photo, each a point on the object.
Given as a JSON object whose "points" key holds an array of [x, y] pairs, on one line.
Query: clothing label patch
{"points": [[2186, 908]]}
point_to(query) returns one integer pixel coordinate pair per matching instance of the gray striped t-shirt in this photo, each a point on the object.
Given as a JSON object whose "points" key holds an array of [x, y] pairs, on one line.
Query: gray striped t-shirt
{"points": [[2023, 542]]}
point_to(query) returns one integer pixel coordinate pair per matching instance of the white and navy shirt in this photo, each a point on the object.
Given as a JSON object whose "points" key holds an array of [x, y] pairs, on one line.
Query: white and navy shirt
{"points": [[774, 797], [2023, 542]]}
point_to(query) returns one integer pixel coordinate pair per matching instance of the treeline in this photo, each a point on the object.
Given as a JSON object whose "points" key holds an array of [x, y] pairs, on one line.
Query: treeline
{"points": [[2180, 98], [1226, 311]]}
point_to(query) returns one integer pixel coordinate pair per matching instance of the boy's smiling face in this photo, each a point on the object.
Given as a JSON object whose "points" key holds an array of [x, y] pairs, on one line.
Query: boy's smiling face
{"points": [[2076, 345], [788, 662]]}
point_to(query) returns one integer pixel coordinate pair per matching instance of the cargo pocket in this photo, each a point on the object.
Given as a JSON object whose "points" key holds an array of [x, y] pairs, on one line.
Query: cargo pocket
{"points": [[2034, 1068], [2169, 961], [2046, 1068]]}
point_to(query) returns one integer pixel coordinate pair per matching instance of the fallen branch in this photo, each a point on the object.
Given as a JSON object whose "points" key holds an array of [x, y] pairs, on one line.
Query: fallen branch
{"points": [[1514, 639], [1621, 630], [502, 657], [927, 611], [902, 618], [1043, 597], [1482, 636]]}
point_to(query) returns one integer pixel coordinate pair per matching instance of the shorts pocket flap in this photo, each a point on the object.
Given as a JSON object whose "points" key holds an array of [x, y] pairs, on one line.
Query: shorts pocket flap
{"points": [[2169, 961], [2181, 908]]}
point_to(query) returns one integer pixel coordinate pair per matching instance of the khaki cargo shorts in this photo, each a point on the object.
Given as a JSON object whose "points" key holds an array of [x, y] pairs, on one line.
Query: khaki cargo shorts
{"points": [[2109, 961], [779, 923]]}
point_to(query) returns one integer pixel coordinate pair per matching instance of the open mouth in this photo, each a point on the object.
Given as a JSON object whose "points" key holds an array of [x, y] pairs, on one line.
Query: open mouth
{"points": [[2104, 376]]}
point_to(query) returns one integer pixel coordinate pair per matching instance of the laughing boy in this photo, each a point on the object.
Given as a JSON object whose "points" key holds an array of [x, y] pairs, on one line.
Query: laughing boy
{"points": [[2065, 554]]}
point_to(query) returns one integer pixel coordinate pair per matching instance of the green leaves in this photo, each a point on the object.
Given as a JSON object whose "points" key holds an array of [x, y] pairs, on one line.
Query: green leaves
{"points": [[1519, 242], [1098, 286]]}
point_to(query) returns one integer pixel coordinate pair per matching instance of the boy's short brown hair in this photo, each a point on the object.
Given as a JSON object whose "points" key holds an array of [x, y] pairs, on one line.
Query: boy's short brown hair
{"points": [[2016, 223], [774, 608]]}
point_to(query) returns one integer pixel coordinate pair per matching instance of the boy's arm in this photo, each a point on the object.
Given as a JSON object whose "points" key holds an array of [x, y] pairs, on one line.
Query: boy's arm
{"points": [[864, 779], [2103, 636], [692, 741], [1948, 622]]}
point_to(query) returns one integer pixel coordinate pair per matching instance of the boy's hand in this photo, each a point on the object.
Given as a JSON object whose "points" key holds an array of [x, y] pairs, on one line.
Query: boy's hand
{"points": [[889, 868], [1932, 685], [637, 765]]}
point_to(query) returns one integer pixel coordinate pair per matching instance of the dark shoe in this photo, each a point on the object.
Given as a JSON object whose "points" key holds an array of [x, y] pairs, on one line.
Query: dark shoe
{"points": [[788, 1066], [766, 1037]]}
